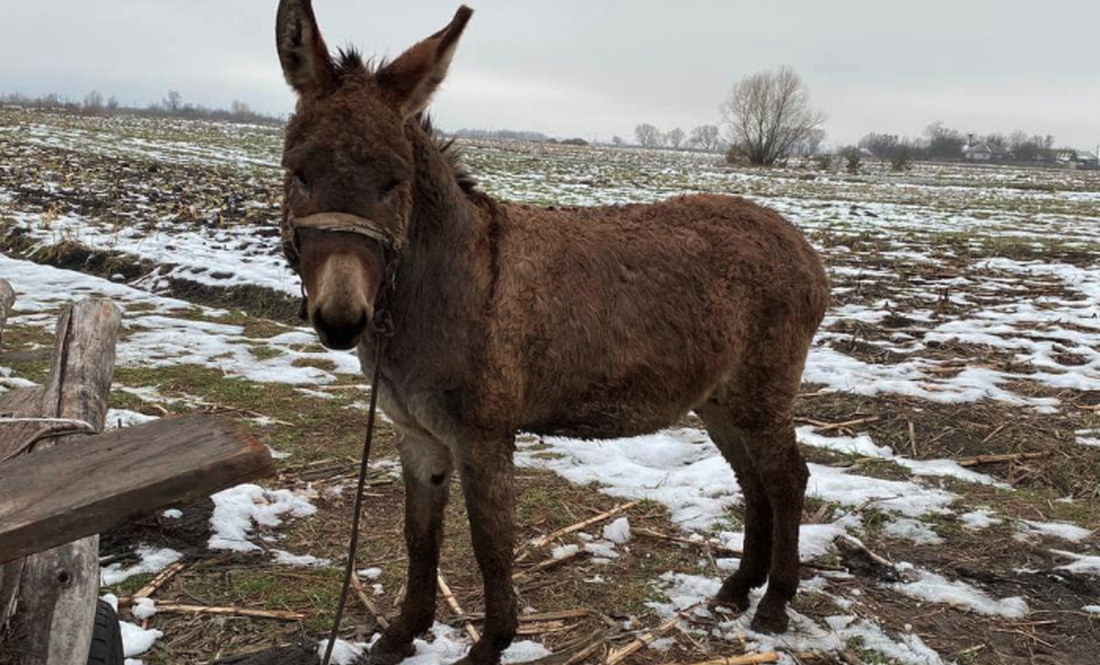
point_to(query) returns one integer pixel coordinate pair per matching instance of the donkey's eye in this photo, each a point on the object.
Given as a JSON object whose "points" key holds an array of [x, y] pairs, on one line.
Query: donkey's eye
{"points": [[390, 188], [301, 182]]}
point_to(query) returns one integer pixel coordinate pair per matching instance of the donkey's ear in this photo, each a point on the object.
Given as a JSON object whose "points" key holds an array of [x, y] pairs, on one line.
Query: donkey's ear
{"points": [[307, 65], [412, 78]]}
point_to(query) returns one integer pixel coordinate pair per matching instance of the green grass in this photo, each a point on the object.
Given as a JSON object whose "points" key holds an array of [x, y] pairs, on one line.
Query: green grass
{"points": [[128, 586], [866, 656]]}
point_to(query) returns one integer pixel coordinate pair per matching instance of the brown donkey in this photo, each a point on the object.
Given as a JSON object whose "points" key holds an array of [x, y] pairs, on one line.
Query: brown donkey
{"points": [[590, 322]]}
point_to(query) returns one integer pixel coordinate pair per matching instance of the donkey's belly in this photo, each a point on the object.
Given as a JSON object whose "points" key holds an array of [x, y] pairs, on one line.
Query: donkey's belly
{"points": [[598, 429], [612, 411]]}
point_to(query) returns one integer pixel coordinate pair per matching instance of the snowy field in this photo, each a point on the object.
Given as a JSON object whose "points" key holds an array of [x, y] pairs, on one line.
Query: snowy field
{"points": [[965, 325]]}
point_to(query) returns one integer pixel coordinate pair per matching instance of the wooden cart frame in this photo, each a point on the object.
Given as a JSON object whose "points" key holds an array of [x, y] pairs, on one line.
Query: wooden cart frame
{"points": [[62, 481]]}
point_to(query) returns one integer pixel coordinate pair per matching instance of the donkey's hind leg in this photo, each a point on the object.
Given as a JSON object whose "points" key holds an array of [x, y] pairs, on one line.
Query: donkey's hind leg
{"points": [[732, 441], [784, 474], [759, 441]]}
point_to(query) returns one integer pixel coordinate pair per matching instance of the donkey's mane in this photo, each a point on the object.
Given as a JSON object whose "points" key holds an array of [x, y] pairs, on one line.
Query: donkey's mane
{"points": [[350, 63], [451, 153]]}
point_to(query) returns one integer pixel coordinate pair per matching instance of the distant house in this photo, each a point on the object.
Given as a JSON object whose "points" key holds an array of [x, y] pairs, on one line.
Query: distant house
{"points": [[986, 152], [1076, 159]]}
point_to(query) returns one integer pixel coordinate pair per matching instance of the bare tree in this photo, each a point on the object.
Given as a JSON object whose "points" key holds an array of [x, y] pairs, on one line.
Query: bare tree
{"points": [[811, 143], [93, 102], [1027, 148], [173, 101], [617, 141], [883, 146], [648, 136], [675, 138], [705, 137], [944, 142], [768, 113]]}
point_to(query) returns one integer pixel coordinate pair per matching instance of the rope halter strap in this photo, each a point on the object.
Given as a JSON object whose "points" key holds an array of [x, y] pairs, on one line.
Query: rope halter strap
{"points": [[341, 222], [345, 223]]}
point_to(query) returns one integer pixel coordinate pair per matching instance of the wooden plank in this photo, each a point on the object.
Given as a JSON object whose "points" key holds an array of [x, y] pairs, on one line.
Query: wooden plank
{"points": [[121, 475], [56, 602], [21, 402]]}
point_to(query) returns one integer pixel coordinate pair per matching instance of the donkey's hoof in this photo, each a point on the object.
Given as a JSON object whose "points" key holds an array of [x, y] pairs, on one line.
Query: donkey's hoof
{"points": [[770, 622], [378, 656], [728, 606], [732, 595], [482, 653]]}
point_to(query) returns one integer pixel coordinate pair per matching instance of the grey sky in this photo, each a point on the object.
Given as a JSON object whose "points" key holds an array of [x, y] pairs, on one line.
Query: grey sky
{"points": [[598, 67]]}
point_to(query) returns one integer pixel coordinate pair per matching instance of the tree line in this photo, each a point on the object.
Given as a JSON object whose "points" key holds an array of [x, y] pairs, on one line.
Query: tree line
{"points": [[767, 118], [942, 143], [172, 106], [702, 137]]}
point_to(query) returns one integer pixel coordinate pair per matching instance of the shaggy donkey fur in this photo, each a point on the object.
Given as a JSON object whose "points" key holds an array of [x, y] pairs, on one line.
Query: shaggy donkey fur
{"points": [[590, 322]]}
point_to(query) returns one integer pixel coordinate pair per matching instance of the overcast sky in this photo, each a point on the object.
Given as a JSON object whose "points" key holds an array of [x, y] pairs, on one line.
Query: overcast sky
{"points": [[599, 67]]}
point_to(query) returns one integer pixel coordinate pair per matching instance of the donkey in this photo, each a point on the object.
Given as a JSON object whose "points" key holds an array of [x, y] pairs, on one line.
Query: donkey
{"points": [[588, 322]]}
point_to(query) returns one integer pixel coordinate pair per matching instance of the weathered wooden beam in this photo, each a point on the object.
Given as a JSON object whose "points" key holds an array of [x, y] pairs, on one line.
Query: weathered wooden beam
{"points": [[58, 589], [18, 403], [22, 402], [55, 496]]}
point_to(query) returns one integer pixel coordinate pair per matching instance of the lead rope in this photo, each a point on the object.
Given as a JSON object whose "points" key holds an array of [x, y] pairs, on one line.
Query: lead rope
{"points": [[382, 327]]}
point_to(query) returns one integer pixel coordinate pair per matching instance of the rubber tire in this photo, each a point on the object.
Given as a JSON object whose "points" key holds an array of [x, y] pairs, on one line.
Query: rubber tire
{"points": [[106, 648]]}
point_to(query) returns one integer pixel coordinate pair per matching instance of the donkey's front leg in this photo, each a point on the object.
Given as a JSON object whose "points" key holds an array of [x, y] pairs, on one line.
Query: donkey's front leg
{"points": [[487, 483], [426, 466]]}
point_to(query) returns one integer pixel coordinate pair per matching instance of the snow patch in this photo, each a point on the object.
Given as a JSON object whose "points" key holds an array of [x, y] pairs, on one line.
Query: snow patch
{"points": [[300, 560], [562, 551], [137, 640], [1082, 563], [144, 608], [618, 531], [237, 508], [153, 560], [938, 589], [446, 646], [909, 529], [1070, 532], [979, 519]]}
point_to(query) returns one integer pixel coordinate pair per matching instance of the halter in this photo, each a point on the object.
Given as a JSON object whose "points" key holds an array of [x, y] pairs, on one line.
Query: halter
{"points": [[344, 223]]}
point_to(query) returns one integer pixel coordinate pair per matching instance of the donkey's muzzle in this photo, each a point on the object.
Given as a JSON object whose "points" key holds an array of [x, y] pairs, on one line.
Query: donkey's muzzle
{"points": [[337, 332]]}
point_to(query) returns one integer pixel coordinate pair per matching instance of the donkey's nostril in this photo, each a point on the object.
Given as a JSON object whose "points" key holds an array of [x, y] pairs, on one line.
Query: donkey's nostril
{"points": [[336, 333]]}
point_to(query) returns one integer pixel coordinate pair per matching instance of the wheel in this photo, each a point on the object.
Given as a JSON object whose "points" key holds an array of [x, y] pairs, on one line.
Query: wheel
{"points": [[106, 646]]}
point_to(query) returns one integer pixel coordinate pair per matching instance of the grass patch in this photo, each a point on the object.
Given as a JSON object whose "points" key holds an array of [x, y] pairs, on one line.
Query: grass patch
{"points": [[263, 352], [128, 586], [310, 591], [320, 363], [866, 656]]}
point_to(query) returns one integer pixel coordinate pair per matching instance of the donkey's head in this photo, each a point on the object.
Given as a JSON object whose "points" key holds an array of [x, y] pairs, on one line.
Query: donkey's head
{"points": [[349, 165]]}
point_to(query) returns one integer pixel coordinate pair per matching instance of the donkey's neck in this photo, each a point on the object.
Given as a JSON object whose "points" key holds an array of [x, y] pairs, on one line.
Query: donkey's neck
{"points": [[447, 270]]}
